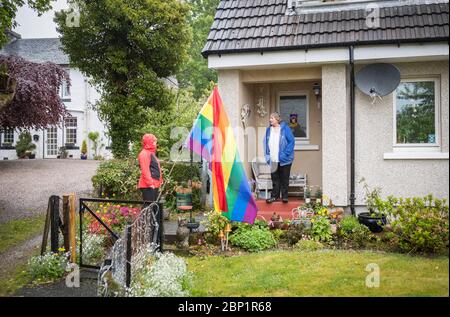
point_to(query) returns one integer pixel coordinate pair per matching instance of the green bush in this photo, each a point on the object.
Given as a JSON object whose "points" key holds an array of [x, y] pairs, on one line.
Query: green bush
{"points": [[321, 229], [24, 145], [277, 234], [253, 238], [421, 224], [48, 267], [294, 234], [118, 177], [214, 223], [353, 233], [84, 147], [308, 245]]}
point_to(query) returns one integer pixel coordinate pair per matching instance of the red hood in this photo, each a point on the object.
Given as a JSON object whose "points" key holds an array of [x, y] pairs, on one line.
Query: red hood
{"points": [[149, 142]]}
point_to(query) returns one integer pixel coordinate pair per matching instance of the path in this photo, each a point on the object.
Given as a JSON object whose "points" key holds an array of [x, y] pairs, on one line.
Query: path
{"points": [[26, 185]]}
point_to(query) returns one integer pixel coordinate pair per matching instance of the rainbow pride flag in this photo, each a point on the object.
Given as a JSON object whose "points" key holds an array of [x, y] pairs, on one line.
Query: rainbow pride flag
{"points": [[212, 138]]}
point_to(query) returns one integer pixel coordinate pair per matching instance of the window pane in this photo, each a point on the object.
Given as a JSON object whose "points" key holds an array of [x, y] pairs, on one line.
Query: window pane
{"points": [[293, 111], [416, 113], [8, 136]]}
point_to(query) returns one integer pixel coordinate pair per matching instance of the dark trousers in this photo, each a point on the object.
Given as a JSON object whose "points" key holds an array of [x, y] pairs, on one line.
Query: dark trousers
{"points": [[149, 194], [280, 180]]}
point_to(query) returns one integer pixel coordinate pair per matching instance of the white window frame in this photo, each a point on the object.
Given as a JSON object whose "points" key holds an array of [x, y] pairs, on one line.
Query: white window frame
{"points": [[64, 88], [4, 136], [420, 147], [300, 143], [71, 128]]}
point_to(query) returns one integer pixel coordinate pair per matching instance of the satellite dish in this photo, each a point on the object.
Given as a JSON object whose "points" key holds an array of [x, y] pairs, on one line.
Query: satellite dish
{"points": [[378, 80]]}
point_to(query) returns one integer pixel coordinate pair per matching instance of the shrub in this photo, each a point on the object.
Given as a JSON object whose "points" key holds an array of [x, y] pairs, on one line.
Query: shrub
{"points": [[24, 145], [47, 267], [84, 147], [277, 234], [294, 234], [118, 177], [214, 223], [321, 229], [421, 224], [308, 245], [354, 233], [252, 238], [160, 275]]}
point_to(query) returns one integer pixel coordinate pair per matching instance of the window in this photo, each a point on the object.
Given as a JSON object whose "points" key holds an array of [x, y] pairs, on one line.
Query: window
{"points": [[71, 130], [416, 117], [294, 110], [8, 136], [64, 90]]}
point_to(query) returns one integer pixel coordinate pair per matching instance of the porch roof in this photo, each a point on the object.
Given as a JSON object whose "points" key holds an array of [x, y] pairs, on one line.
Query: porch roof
{"points": [[262, 25]]}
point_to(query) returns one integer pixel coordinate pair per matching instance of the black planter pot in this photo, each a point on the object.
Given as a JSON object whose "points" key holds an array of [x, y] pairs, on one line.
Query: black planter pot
{"points": [[374, 222]]}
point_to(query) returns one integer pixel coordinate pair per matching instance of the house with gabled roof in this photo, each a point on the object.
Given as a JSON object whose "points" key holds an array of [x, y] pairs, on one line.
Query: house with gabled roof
{"points": [[300, 58], [78, 101]]}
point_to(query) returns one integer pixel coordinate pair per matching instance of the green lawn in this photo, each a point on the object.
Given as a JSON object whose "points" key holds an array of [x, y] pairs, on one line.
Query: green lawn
{"points": [[18, 231], [320, 273]]}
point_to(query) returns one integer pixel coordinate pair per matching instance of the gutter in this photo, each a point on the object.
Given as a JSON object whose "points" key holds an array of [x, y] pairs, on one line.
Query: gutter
{"points": [[206, 53], [352, 129]]}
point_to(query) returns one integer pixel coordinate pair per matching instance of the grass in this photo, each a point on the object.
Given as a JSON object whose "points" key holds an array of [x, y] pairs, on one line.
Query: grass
{"points": [[16, 279], [18, 231], [318, 273]]}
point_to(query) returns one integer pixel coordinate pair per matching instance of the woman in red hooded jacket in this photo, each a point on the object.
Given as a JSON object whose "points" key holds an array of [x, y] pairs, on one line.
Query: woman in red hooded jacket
{"points": [[151, 175]]}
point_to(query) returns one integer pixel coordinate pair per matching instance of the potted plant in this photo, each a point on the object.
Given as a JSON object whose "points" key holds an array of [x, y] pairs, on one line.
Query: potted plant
{"points": [[307, 195], [374, 219], [318, 195], [24, 146], [63, 153], [83, 155]]}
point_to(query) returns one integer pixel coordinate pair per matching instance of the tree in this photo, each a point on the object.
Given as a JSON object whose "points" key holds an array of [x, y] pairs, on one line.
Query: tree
{"points": [[24, 146], [127, 47], [195, 72], [36, 103], [8, 9]]}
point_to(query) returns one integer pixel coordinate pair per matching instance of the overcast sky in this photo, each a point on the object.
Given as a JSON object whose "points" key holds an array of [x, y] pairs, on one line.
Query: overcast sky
{"points": [[33, 26]]}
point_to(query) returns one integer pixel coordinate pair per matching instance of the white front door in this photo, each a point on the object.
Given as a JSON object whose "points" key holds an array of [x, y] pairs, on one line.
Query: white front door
{"points": [[51, 140]]}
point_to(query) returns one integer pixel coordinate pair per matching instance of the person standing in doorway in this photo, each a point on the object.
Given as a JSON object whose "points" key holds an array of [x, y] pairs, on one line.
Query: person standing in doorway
{"points": [[151, 175], [279, 154]]}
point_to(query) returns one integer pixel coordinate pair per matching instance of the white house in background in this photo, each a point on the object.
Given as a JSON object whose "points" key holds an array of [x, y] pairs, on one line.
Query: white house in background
{"points": [[78, 101], [295, 57]]}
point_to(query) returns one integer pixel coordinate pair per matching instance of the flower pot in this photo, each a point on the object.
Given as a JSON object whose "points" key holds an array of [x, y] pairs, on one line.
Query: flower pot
{"points": [[374, 222], [83, 156]]}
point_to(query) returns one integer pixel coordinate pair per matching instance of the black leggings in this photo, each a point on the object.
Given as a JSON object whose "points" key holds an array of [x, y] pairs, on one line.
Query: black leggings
{"points": [[150, 194], [280, 180]]}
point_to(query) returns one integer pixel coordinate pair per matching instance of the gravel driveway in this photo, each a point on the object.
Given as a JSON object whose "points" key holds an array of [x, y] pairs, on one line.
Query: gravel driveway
{"points": [[26, 185]]}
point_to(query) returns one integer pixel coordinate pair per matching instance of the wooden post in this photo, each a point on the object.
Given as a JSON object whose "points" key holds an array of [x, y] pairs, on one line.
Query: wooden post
{"points": [[66, 222], [72, 230], [46, 228], [54, 223]]}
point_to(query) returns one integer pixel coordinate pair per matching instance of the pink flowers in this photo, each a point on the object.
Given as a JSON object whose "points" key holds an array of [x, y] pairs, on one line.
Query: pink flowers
{"points": [[114, 216]]}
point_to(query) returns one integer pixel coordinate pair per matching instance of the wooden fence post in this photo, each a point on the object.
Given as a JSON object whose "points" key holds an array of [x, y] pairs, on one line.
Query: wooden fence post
{"points": [[72, 230], [46, 227], [66, 222], [54, 224]]}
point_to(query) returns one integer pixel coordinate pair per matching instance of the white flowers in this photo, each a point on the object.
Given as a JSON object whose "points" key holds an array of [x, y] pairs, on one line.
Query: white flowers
{"points": [[166, 277]]}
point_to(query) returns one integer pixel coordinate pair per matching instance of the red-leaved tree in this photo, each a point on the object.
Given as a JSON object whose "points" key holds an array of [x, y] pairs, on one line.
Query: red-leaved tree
{"points": [[36, 103]]}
